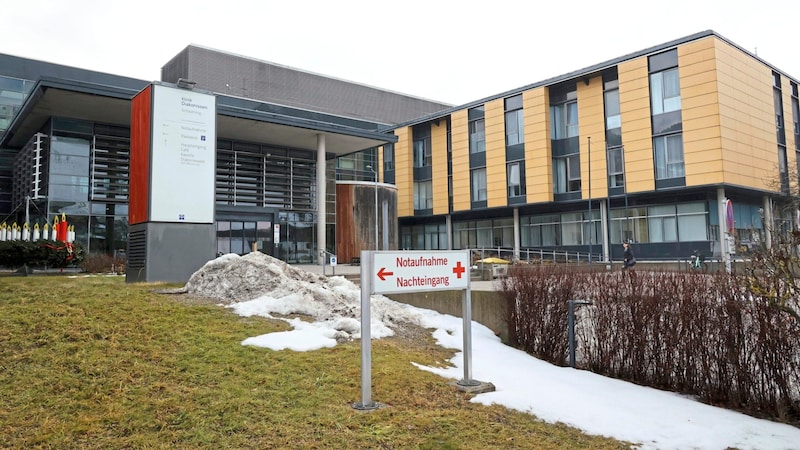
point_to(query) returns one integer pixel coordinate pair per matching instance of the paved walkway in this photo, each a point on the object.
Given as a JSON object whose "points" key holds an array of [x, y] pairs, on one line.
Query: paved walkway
{"points": [[351, 272]]}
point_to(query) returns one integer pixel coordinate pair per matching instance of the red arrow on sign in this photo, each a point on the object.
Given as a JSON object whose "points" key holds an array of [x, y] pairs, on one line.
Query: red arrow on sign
{"points": [[383, 272]]}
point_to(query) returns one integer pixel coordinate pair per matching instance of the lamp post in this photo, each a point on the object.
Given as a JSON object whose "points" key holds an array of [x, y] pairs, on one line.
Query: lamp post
{"points": [[376, 204]]}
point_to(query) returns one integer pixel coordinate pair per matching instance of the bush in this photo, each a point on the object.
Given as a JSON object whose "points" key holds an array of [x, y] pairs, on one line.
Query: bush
{"points": [[692, 333], [15, 254], [102, 263]]}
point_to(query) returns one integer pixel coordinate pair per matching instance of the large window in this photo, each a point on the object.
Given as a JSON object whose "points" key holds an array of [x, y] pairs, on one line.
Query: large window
{"points": [[477, 131], [616, 167], [516, 181], [422, 152], [665, 91], [388, 157], [489, 233], [424, 237], [682, 222], [540, 231], [567, 174], [514, 121], [13, 92], [479, 185], [69, 169], [578, 229], [611, 101], [565, 120], [669, 156], [423, 195]]}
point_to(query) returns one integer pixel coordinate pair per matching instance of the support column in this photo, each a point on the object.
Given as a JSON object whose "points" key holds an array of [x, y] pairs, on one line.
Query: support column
{"points": [[516, 234], [723, 231], [448, 222], [604, 227], [321, 197], [768, 222]]}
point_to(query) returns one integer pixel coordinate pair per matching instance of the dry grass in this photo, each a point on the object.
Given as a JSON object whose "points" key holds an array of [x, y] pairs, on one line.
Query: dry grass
{"points": [[96, 363]]}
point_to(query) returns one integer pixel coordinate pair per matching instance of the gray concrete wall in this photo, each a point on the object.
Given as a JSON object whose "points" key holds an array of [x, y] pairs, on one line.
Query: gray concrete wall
{"points": [[488, 307], [173, 251]]}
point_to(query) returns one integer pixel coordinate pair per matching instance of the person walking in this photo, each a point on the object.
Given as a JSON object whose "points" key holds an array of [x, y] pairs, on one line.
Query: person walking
{"points": [[628, 260]]}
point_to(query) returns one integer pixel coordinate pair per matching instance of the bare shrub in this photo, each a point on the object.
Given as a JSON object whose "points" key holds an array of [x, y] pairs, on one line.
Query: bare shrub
{"points": [[102, 263], [697, 334]]}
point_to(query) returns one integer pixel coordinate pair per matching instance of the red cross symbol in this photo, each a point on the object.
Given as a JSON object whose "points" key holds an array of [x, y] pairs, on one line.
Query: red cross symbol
{"points": [[458, 269]]}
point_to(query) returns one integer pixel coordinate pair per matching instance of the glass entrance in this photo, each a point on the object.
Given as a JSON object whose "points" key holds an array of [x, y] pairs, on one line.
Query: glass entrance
{"points": [[238, 237]]}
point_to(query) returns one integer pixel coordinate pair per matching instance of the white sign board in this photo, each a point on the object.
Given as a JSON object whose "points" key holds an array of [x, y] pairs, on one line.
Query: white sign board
{"points": [[184, 143], [424, 270]]}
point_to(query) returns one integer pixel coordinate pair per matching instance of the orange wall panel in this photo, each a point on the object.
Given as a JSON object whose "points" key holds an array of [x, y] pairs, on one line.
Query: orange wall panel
{"points": [[538, 151], [637, 135], [460, 159], [404, 172], [439, 169], [591, 123], [496, 154], [747, 125]]}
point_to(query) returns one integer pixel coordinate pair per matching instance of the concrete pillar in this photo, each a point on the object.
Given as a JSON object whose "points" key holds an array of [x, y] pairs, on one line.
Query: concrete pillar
{"points": [[768, 222], [723, 229], [604, 227], [516, 234], [321, 195]]}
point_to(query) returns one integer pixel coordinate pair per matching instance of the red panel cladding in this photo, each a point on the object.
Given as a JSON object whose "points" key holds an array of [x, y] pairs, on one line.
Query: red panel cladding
{"points": [[139, 178]]}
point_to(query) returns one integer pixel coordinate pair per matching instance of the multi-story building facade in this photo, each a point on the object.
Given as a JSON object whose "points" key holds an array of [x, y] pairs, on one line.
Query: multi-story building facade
{"points": [[646, 148], [65, 136], [643, 148]]}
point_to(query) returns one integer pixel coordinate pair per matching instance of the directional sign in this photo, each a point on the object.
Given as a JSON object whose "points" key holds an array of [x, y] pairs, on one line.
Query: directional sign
{"points": [[415, 271]]}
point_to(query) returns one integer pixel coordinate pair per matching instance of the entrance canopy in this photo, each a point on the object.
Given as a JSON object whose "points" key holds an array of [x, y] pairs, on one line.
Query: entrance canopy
{"points": [[237, 118]]}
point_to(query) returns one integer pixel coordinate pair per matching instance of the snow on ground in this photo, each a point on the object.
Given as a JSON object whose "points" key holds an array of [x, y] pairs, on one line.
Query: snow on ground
{"points": [[257, 284]]}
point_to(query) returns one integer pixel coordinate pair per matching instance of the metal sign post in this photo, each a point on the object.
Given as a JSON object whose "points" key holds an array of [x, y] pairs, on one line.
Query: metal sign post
{"points": [[384, 272], [366, 403]]}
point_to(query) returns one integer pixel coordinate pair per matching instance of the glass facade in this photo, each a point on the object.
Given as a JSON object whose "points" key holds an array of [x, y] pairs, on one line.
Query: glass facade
{"points": [[13, 92]]}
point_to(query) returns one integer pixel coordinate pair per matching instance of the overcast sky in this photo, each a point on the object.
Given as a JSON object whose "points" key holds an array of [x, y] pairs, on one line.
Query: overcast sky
{"points": [[450, 51]]}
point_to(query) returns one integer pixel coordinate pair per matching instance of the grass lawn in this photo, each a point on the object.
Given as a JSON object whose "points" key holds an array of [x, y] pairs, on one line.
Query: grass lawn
{"points": [[93, 362]]}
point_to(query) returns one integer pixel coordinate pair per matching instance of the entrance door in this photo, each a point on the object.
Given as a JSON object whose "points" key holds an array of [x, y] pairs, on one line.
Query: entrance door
{"points": [[238, 236]]}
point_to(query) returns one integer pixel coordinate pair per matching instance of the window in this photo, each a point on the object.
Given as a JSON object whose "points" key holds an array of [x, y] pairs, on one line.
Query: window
{"points": [[616, 167], [422, 152], [479, 185], [540, 231], [516, 185], [611, 101], [565, 120], [669, 156], [665, 91], [662, 223], [514, 121], [567, 174], [423, 195], [776, 95], [477, 136], [795, 114], [388, 157]]}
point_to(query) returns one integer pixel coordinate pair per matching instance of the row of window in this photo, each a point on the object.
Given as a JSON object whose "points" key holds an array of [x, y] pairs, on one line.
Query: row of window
{"points": [[566, 164], [682, 222]]}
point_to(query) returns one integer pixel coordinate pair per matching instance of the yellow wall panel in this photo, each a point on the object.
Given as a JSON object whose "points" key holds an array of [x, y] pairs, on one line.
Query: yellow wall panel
{"points": [[460, 142], [591, 123], [702, 144], [496, 194], [404, 172], [747, 128], [538, 152], [634, 99], [439, 167]]}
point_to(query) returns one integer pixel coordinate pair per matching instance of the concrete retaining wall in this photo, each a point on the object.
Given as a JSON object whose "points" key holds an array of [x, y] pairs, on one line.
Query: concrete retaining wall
{"points": [[488, 307]]}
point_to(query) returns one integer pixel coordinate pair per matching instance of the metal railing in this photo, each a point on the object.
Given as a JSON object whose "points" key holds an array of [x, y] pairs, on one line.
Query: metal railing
{"points": [[534, 256]]}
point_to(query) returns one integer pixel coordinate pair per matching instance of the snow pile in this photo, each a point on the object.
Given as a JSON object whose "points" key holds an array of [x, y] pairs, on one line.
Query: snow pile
{"points": [[258, 284]]}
